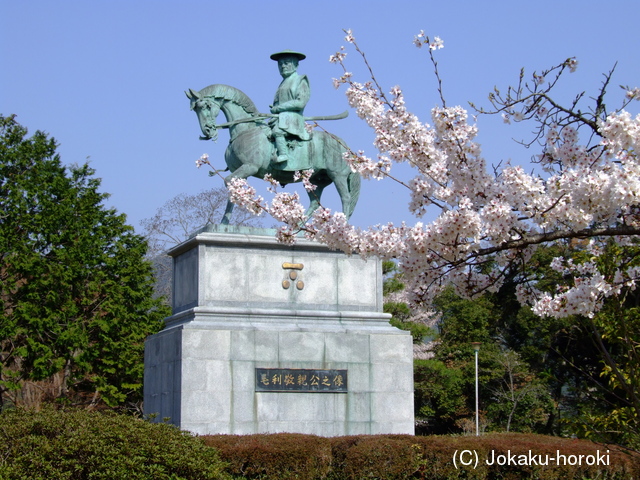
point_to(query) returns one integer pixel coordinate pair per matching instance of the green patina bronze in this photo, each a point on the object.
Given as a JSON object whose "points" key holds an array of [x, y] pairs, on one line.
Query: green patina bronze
{"points": [[277, 143]]}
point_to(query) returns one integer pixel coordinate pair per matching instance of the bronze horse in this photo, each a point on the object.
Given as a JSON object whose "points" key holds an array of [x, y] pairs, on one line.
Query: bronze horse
{"points": [[251, 149]]}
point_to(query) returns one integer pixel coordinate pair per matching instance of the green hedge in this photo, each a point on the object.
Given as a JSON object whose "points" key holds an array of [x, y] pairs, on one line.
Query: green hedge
{"points": [[79, 445], [390, 457], [282, 456]]}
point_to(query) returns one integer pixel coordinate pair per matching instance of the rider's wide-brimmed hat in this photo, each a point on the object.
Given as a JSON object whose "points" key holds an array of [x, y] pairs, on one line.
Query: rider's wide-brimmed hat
{"points": [[288, 53]]}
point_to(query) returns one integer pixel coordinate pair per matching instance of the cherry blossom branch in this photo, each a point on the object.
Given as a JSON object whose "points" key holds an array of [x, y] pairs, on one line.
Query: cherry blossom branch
{"points": [[437, 43], [338, 58], [621, 230]]}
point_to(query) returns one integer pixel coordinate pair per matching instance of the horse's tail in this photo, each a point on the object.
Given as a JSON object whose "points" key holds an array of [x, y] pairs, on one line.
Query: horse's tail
{"points": [[353, 182]]}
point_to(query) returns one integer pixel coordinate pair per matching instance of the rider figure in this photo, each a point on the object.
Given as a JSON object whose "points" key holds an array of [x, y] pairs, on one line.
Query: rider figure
{"points": [[291, 97]]}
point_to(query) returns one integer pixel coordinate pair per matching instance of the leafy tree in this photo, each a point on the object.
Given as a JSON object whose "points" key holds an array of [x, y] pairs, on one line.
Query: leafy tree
{"points": [[439, 396], [610, 400], [393, 279], [75, 289], [545, 374], [519, 398], [513, 396], [462, 321], [588, 363]]}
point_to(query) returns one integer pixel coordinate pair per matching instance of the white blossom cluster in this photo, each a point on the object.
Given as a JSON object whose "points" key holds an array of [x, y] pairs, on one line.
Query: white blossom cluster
{"points": [[588, 293], [284, 207], [486, 220]]}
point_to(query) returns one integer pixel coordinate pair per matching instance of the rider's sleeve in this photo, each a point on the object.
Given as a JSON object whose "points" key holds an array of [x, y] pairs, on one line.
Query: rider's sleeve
{"points": [[304, 91]]}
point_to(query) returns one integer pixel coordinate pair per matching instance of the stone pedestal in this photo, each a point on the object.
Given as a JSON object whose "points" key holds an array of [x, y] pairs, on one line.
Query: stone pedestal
{"points": [[256, 324]]}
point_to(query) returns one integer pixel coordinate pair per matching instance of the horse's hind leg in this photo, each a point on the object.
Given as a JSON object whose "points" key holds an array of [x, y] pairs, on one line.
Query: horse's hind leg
{"points": [[342, 186], [314, 198]]}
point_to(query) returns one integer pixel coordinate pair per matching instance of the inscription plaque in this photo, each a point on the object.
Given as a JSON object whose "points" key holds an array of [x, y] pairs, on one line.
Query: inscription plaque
{"points": [[301, 380]]}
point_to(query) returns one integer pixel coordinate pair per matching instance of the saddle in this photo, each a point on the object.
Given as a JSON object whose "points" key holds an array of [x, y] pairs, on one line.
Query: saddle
{"points": [[300, 153]]}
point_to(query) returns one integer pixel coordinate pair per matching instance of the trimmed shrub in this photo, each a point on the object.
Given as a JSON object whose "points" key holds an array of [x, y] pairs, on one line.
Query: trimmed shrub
{"points": [[395, 457], [82, 445], [281, 456], [375, 456]]}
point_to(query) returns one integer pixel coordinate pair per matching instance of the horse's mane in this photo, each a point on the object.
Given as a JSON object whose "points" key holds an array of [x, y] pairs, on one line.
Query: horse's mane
{"points": [[230, 94]]}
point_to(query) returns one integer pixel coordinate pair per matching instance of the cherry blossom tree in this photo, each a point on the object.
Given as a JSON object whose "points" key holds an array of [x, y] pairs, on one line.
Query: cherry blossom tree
{"points": [[580, 192], [490, 218]]}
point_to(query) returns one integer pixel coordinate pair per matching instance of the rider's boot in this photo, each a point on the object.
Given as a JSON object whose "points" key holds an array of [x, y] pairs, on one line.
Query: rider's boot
{"points": [[281, 148]]}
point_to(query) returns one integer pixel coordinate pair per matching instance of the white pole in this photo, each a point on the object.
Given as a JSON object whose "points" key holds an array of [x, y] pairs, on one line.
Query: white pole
{"points": [[477, 418]]}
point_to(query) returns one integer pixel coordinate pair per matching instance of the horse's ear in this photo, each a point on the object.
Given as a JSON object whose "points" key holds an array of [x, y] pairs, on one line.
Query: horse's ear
{"points": [[191, 94]]}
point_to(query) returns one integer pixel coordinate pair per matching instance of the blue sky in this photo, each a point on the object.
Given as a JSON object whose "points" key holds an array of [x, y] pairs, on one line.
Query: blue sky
{"points": [[106, 78]]}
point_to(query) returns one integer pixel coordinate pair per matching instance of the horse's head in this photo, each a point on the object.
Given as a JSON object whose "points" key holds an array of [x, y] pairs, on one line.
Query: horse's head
{"points": [[207, 110]]}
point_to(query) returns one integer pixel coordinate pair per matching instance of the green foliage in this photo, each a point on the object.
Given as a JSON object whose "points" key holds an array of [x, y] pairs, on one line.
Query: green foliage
{"points": [[75, 290], [610, 411], [392, 285], [439, 394], [616, 329], [463, 321], [574, 375], [520, 401], [589, 364], [418, 330], [389, 266], [512, 395], [399, 311], [80, 445], [400, 319], [392, 282]]}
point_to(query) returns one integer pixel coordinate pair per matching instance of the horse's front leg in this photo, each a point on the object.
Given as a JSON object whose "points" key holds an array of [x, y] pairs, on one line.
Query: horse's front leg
{"points": [[244, 172]]}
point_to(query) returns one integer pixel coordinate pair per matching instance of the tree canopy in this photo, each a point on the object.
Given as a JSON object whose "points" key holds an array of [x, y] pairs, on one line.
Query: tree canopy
{"points": [[573, 375], [76, 291]]}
